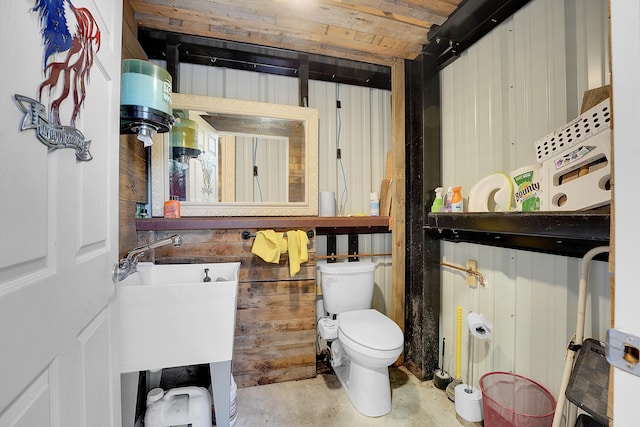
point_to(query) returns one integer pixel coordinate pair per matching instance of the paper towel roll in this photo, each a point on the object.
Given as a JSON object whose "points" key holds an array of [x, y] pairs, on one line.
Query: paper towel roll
{"points": [[469, 403], [479, 326], [327, 203]]}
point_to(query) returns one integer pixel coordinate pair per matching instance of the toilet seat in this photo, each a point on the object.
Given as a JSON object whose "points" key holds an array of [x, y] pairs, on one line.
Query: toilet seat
{"points": [[370, 329]]}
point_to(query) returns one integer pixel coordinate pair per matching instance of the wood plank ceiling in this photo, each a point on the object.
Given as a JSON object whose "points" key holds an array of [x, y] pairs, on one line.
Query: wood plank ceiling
{"points": [[374, 31]]}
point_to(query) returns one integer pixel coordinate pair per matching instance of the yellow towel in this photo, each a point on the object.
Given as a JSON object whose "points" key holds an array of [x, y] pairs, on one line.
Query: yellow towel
{"points": [[268, 245], [298, 254]]}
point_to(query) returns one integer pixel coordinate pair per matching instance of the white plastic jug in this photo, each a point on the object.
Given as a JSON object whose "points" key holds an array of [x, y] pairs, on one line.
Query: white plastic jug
{"points": [[179, 406], [233, 403]]}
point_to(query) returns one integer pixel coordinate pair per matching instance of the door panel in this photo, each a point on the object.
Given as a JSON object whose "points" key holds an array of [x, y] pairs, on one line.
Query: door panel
{"points": [[33, 407], [59, 222], [625, 36], [94, 342]]}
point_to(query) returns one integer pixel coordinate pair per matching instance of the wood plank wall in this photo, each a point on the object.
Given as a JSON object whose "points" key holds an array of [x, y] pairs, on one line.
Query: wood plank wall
{"points": [[276, 317], [131, 48], [297, 191], [133, 156], [133, 189]]}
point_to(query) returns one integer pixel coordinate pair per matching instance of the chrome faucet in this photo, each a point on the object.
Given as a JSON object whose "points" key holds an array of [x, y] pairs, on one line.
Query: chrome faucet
{"points": [[128, 265]]}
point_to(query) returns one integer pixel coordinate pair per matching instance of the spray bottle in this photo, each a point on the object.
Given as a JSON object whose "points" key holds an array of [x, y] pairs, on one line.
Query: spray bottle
{"points": [[374, 204], [447, 200], [438, 204], [456, 200]]}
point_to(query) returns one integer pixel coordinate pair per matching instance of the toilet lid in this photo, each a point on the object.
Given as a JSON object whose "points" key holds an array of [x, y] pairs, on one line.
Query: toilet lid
{"points": [[372, 329]]}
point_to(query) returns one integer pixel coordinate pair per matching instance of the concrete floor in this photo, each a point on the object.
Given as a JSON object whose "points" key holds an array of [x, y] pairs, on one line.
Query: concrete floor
{"points": [[321, 401]]}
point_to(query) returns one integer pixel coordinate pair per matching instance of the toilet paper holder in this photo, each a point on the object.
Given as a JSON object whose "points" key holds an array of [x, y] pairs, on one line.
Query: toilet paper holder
{"points": [[479, 326]]}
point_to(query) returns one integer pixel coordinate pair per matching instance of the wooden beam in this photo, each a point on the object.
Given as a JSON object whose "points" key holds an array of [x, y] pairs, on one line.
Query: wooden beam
{"points": [[131, 48], [398, 183], [324, 38], [401, 12]]}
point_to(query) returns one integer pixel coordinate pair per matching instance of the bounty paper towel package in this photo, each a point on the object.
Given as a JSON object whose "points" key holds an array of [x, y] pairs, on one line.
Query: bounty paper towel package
{"points": [[526, 188]]}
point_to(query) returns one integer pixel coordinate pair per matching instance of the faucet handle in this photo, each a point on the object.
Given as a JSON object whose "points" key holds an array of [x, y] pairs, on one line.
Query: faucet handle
{"points": [[206, 276], [120, 270]]}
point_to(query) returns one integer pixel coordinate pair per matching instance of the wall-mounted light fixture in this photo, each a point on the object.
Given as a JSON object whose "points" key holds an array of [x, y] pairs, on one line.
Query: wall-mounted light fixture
{"points": [[183, 142], [183, 139]]}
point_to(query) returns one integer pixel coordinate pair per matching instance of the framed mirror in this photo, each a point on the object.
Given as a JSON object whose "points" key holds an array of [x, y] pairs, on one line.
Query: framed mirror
{"points": [[230, 157]]}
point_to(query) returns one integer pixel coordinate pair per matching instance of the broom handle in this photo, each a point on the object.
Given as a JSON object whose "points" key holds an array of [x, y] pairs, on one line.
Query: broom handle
{"points": [[458, 340]]}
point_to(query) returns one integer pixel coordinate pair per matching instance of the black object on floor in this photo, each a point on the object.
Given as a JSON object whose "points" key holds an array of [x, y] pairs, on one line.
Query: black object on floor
{"points": [[588, 386], [585, 420], [183, 376], [323, 363]]}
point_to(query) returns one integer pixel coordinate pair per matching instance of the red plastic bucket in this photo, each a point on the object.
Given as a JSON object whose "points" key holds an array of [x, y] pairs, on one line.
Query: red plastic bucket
{"points": [[513, 400]]}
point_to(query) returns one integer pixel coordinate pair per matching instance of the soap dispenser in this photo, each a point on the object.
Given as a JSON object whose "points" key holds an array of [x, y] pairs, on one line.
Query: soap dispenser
{"points": [[437, 203], [172, 208]]}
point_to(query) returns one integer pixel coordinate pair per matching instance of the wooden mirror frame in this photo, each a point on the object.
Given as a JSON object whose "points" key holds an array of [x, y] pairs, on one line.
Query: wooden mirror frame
{"points": [[160, 160]]}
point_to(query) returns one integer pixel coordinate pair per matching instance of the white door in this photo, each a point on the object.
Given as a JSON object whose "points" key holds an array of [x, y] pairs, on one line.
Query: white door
{"points": [[625, 39], [58, 219]]}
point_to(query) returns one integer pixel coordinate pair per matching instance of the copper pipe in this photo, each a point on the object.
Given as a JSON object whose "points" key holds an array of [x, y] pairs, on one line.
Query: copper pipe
{"points": [[466, 270]]}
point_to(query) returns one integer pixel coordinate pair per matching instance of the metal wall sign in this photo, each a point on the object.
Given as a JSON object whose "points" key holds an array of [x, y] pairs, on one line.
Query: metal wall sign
{"points": [[53, 136], [68, 59]]}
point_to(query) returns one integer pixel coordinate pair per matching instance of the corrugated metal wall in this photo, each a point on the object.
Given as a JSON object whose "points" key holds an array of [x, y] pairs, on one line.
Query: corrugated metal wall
{"points": [[361, 128], [519, 83]]}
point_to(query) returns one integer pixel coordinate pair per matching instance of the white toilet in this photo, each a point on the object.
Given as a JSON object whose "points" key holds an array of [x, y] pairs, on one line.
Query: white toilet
{"points": [[364, 342]]}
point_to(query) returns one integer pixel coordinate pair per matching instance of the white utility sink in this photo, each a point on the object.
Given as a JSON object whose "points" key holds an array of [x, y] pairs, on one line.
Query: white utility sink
{"points": [[170, 317]]}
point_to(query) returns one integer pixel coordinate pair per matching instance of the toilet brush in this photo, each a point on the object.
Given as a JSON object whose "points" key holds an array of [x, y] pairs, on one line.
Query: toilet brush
{"points": [[441, 378]]}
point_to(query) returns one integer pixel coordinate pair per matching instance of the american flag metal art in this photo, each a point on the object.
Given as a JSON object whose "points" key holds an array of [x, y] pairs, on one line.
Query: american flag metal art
{"points": [[67, 62]]}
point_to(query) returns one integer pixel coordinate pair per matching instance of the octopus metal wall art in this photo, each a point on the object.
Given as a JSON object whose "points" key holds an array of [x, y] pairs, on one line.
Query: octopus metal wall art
{"points": [[67, 62]]}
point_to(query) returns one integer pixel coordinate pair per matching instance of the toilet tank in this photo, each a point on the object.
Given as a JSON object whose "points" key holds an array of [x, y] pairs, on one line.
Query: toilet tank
{"points": [[347, 286]]}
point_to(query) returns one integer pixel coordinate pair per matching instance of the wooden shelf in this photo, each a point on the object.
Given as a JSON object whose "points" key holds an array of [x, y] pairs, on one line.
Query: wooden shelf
{"points": [[560, 233], [323, 224]]}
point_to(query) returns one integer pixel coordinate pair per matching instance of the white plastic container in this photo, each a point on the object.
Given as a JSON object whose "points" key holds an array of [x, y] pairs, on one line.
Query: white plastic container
{"points": [[233, 405], [177, 407], [374, 204]]}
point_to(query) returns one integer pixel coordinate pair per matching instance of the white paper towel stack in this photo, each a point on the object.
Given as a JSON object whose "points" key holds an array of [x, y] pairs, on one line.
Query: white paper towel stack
{"points": [[327, 203], [469, 403]]}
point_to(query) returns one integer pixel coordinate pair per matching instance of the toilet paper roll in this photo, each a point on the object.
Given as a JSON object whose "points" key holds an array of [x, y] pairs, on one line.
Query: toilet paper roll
{"points": [[479, 326], [469, 403], [327, 203]]}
